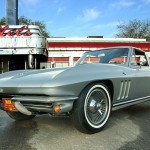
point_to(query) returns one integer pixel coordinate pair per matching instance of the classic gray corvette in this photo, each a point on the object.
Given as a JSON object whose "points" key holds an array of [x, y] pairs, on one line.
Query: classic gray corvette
{"points": [[101, 81]]}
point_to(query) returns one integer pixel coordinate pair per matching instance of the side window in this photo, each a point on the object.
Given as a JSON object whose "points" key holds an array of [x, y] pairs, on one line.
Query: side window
{"points": [[138, 58]]}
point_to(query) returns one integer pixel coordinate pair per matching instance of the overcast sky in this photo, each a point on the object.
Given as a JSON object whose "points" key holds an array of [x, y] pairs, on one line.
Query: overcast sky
{"points": [[81, 18]]}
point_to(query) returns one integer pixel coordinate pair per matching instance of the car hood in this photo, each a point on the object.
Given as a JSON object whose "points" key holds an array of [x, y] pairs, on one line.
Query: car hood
{"points": [[58, 81], [60, 76], [27, 78], [88, 73]]}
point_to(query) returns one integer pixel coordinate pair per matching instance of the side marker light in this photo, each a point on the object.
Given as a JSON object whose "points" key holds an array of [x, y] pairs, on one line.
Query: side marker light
{"points": [[57, 108]]}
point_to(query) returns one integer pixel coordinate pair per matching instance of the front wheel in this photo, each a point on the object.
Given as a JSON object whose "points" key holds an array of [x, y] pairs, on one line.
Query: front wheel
{"points": [[91, 111], [19, 116]]}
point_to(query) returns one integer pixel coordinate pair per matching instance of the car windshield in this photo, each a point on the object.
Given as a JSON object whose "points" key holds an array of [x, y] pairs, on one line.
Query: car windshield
{"points": [[108, 56]]}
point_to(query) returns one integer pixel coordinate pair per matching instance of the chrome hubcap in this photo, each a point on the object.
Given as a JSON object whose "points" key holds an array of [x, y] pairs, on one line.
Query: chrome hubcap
{"points": [[96, 106]]}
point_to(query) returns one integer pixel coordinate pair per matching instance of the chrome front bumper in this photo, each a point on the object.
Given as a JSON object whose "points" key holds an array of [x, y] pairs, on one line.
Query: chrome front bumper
{"points": [[42, 104]]}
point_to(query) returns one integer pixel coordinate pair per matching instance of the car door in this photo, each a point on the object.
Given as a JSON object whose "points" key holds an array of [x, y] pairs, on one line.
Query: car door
{"points": [[139, 63], [124, 84]]}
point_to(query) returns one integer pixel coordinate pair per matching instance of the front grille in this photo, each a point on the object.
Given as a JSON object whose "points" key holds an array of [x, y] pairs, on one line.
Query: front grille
{"points": [[38, 107]]}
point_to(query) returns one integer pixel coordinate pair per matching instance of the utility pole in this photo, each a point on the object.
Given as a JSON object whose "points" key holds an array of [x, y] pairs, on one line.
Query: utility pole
{"points": [[12, 12]]}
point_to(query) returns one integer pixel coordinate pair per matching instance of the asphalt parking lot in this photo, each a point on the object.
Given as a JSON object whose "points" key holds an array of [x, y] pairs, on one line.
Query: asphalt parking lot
{"points": [[127, 129]]}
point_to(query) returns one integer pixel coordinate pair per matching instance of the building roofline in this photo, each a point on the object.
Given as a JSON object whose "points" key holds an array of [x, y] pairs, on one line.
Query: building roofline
{"points": [[96, 40]]}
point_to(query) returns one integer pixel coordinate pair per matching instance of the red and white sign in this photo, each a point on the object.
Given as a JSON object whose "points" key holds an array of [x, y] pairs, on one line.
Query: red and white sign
{"points": [[12, 32], [18, 39]]}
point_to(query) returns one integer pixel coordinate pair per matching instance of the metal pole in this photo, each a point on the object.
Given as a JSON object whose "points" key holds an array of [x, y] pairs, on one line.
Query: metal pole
{"points": [[12, 12]]}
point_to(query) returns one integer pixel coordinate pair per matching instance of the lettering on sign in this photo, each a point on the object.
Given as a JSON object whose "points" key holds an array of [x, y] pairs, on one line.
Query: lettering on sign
{"points": [[12, 32]]}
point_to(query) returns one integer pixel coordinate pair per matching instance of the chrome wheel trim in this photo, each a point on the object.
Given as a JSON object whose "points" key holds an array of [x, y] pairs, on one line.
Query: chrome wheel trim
{"points": [[97, 106]]}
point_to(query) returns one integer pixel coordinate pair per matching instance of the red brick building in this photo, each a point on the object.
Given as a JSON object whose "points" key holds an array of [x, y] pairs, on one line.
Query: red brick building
{"points": [[66, 51]]}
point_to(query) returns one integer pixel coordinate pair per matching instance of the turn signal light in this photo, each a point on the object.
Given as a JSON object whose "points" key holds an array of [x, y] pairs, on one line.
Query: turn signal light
{"points": [[57, 108], [8, 105]]}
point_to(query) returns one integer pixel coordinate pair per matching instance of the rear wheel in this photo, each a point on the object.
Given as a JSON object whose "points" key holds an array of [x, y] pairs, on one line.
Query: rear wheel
{"points": [[19, 116], [91, 111]]}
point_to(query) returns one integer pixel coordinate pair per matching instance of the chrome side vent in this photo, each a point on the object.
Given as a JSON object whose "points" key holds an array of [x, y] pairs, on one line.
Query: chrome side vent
{"points": [[128, 89], [124, 89]]}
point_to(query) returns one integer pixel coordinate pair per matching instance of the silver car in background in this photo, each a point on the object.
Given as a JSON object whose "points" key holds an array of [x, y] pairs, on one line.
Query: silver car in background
{"points": [[101, 81]]}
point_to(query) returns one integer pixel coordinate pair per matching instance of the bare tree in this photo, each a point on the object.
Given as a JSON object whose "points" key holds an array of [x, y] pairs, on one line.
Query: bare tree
{"points": [[134, 29], [26, 21]]}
